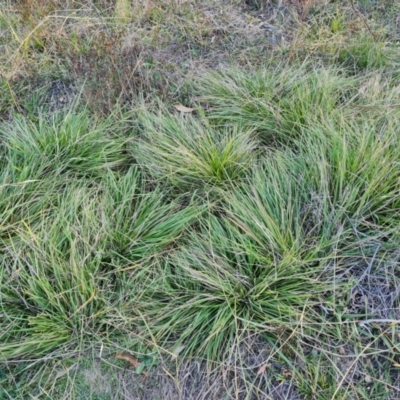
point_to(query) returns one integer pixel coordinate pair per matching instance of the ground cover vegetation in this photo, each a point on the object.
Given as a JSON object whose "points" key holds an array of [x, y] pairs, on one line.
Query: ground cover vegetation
{"points": [[199, 199]]}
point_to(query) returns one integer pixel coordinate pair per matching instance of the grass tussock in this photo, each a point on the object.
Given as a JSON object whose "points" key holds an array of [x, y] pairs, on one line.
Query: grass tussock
{"points": [[244, 248], [76, 144], [277, 101], [191, 154]]}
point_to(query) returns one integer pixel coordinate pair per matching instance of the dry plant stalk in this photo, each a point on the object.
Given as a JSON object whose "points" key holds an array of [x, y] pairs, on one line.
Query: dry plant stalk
{"points": [[127, 357]]}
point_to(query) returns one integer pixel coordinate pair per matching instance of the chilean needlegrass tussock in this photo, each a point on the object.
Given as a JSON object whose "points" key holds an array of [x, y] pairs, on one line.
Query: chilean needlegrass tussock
{"points": [[70, 142], [191, 155], [355, 168], [52, 285], [254, 235], [62, 268], [275, 101], [140, 223], [206, 295]]}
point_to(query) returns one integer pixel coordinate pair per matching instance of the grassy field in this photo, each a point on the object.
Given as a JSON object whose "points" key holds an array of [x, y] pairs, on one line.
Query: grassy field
{"points": [[199, 199]]}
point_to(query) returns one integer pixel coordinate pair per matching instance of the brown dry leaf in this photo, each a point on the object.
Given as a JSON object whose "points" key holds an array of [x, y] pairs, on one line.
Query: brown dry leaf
{"points": [[262, 369], [286, 373], [129, 358], [396, 365], [183, 109]]}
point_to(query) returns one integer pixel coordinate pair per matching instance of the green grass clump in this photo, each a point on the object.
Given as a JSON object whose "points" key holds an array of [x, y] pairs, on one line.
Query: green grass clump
{"points": [[225, 284], [365, 53], [245, 248], [103, 243], [61, 278], [66, 143], [138, 223], [356, 170], [192, 155], [276, 101]]}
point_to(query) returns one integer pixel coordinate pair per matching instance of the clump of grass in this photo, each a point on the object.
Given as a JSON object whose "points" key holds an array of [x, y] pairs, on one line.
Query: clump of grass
{"points": [[140, 223], [258, 267], [190, 154], [365, 53], [219, 287], [64, 273], [76, 143], [268, 266], [302, 251], [355, 168], [277, 102], [51, 285]]}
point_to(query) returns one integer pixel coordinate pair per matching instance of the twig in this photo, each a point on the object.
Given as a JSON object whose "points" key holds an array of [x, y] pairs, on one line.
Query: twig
{"points": [[358, 13]]}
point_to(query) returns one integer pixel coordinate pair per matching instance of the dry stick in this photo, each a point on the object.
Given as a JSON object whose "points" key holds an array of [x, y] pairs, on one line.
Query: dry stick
{"points": [[363, 19]]}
